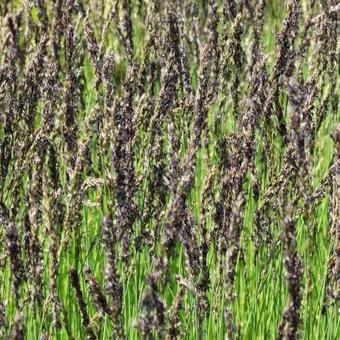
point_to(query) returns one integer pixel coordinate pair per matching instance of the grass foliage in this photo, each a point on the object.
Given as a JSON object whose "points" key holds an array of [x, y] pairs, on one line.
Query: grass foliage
{"points": [[169, 169]]}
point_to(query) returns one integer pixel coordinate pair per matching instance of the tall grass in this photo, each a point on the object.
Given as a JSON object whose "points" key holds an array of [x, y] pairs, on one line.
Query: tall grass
{"points": [[169, 169]]}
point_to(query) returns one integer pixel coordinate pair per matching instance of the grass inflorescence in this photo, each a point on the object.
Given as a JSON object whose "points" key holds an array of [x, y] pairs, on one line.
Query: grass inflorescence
{"points": [[169, 169]]}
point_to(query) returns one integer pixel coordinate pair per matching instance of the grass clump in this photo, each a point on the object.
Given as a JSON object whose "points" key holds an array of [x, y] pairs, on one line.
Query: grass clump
{"points": [[169, 170]]}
